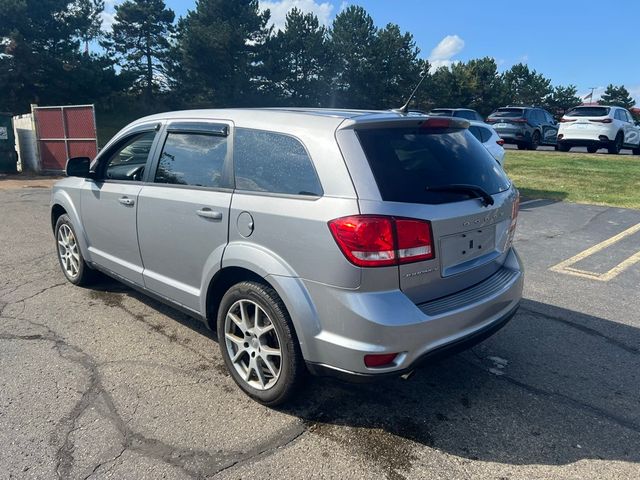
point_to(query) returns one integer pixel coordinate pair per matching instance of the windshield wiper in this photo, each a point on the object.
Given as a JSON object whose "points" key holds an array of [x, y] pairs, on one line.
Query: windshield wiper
{"points": [[472, 190]]}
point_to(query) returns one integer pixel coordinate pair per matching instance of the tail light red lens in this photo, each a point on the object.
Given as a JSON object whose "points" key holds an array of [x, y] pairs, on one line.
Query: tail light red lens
{"points": [[379, 360], [414, 240], [567, 120], [519, 120], [604, 120], [378, 241], [500, 142]]}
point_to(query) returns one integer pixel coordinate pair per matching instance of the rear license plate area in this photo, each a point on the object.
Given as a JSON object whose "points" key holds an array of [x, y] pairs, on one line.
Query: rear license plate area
{"points": [[465, 250]]}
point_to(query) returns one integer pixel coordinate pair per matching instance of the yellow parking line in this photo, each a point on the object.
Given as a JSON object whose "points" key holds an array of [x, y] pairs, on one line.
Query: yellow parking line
{"points": [[566, 265]]}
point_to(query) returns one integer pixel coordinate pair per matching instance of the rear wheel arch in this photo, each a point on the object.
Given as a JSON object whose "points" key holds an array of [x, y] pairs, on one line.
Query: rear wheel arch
{"points": [[222, 281]]}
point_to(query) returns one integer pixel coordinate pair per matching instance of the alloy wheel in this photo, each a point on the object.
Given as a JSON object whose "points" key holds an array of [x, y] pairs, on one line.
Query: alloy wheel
{"points": [[253, 344], [68, 251]]}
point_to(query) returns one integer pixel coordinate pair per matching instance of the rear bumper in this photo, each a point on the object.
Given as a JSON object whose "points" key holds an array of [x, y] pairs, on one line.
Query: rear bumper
{"points": [[585, 142], [355, 324]]}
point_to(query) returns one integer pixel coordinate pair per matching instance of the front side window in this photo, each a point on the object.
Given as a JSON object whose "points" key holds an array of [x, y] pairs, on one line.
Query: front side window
{"points": [[273, 162], [128, 161], [195, 159]]}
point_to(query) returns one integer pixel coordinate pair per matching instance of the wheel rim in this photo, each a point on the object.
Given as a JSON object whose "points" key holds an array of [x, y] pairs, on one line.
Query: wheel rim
{"points": [[535, 141], [253, 344], [68, 251]]}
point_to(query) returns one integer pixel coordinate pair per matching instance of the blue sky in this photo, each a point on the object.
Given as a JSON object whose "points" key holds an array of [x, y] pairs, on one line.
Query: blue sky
{"points": [[583, 42]]}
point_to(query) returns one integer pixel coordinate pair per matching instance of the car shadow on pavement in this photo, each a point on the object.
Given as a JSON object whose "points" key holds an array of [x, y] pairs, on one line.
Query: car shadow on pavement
{"points": [[551, 388]]}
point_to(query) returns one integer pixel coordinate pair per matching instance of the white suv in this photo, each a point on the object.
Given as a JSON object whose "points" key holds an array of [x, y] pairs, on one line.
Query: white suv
{"points": [[599, 126]]}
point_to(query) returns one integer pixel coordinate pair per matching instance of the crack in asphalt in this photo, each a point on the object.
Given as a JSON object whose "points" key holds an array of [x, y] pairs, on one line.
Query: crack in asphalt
{"points": [[195, 463], [584, 329]]}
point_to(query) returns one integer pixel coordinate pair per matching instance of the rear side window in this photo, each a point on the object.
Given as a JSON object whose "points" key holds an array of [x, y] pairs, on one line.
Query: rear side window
{"points": [[442, 112], [508, 113], [481, 133], [273, 162], [195, 159], [406, 161], [588, 112]]}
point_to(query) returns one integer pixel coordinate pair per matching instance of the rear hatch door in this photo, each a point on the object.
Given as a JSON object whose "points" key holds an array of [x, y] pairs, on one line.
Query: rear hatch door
{"points": [[422, 171]]}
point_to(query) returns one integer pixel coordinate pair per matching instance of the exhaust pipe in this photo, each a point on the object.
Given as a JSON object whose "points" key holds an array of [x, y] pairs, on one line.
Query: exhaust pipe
{"points": [[407, 375]]}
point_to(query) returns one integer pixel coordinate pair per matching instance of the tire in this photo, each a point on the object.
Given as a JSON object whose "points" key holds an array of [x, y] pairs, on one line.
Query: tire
{"points": [[72, 263], [522, 146], [535, 141], [615, 146], [592, 149], [563, 148], [260, 375], [636, 151]]}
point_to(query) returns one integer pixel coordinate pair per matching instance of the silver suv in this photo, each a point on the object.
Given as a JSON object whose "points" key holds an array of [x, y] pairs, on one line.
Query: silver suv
{"points": [[349, 243]]}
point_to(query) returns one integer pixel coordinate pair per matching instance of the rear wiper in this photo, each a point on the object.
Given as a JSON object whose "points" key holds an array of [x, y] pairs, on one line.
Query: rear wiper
{"points": [[472, 190]]}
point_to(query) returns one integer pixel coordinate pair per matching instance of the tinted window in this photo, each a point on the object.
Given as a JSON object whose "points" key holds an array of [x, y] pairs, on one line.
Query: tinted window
{"points": [[273, 162], [192, 159], [588, 112], [619, 116], [468, 114], [406, 161], [475, 131], [442, 112], [508, 113], [128, 161], [627, 115]]}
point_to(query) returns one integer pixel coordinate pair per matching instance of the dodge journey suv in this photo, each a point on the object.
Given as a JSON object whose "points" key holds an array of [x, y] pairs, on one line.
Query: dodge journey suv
{"points": [[349, 243]]}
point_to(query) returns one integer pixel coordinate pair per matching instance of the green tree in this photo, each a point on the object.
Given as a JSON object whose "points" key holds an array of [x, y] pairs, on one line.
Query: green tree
{"points": [[219, 54], [524, 86], [298, 61], [40, 50], [353, 43], [398, 67], [562, 99], [617, 96], [140, 39]]}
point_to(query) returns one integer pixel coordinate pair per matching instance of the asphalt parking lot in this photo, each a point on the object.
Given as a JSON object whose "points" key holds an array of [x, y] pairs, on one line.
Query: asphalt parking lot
{"points": [[106, 383]]}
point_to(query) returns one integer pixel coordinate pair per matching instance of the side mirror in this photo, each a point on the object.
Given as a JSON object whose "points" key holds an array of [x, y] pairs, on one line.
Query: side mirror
{"points": [[79, 167]]}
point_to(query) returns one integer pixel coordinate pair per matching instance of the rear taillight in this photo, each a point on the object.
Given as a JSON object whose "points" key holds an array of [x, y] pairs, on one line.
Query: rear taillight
{"points": [[604, 120], [443, 122], [519, 120], [378, 241], [500, 142], [515, 208], [414, 242], [490, 120], [567, 120]]}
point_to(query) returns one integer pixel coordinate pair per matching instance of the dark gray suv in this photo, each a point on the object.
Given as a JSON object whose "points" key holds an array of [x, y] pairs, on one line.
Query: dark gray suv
{"points": [[526, 127], [348, 243]]}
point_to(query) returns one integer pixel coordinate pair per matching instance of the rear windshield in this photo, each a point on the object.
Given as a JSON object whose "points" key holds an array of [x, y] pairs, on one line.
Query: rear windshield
{"points": [[508, 113], [441, 112], [588, 112], [406, 161]]}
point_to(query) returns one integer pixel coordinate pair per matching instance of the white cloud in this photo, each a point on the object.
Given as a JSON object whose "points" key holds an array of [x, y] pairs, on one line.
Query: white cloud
{"points": [[448, 47], [108, 15], [279, 10]]}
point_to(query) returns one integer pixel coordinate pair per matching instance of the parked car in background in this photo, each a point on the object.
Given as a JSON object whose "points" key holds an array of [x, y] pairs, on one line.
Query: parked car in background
{"points": [[526, 127], [466, 113], [348, 243], [599, 126], [489, 138]]}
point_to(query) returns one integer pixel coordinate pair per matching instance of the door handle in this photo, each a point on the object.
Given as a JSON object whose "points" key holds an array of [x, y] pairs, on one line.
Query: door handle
{"points": [[208, 213], [126, 201]]}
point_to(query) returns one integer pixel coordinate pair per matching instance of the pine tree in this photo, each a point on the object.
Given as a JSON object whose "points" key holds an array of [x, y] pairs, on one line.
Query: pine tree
{"points": [[219, 52], [41, 46], [298, 62], [617, 96], [140, 39]]}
